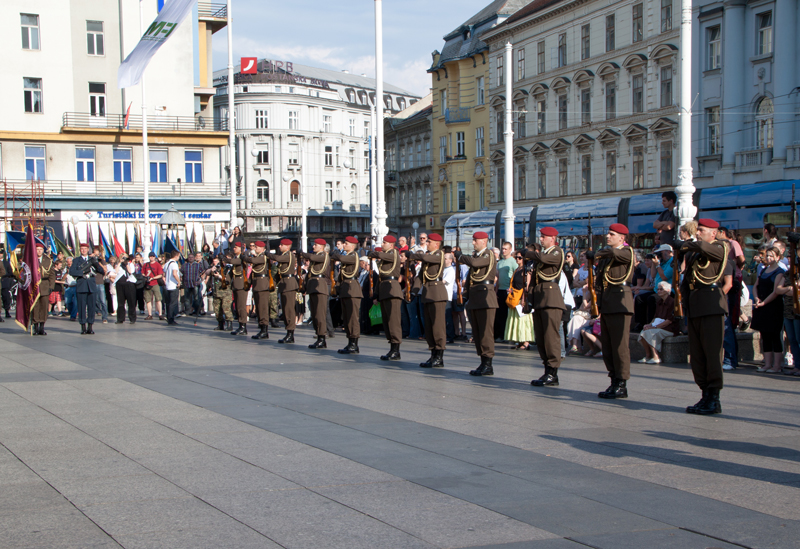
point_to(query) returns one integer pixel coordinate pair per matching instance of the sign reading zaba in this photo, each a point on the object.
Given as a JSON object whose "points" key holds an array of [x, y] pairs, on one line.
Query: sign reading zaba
{"points": [[249, 65]]}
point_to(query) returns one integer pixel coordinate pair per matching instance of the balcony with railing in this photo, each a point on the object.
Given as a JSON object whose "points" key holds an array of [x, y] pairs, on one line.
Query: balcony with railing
{"points": [[751, 160], [211, 10], [83, 120], [457, 116], [215, 189]]}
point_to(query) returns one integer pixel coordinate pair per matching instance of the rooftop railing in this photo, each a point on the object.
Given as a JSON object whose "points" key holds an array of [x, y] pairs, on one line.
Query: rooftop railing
{"points": [[154, 123]]}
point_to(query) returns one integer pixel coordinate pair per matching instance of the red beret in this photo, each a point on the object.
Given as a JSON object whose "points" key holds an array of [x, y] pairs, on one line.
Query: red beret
{"points": [[708, 223], [40, 245], [618, 228], [549, 231], [320, 241], [479, 235], [390, 239], [238, 244], [286, 242], [435, 237], [351, 239], [260, 244]]}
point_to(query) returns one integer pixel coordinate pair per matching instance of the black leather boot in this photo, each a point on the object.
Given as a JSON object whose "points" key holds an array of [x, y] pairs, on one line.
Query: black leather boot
{"points": [[220, 326], [712, 404], [700, 403], [485, 369], [274, 323], [89, 330], [241, 331], [41, 329], [618, 389], [319, 343], [289, 338], [262, 333], [438, 359], [394, 352], [83, 329], [351, 348], [35, 329], [228, 326], [428, 363], [550, 378]]}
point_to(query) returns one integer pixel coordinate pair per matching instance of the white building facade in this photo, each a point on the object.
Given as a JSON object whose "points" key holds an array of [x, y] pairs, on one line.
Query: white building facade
{"points": [[304, 131]]}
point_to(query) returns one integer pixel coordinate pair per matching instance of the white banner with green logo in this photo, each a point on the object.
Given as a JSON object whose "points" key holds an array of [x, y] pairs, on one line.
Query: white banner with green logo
{"points": [[173, 13]]}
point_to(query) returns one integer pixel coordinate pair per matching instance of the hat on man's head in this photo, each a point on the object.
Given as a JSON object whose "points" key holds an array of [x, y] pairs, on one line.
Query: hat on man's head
{"points": [[663, 248], [618, 228], [260, 244], [435, 237], [549, 231], [152, 254], [286, 242], [478, 236], [39, 245], [351, 240], [238, 245], [390, 239], [320, 241], [707, 223]]}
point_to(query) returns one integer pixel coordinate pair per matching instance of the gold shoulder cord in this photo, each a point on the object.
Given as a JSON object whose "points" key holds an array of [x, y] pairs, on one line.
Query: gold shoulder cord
{"points": [[394, 264], [697, 267], [441, 268], [241, 269], [607, 279], [264, 268], [324, 266], [351, 275], [549, 278], [479, 279], [45, 271], [288, 266]]}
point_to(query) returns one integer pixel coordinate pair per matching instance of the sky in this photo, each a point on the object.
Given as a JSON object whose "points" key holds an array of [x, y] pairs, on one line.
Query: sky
{"points": [[341, 35]]}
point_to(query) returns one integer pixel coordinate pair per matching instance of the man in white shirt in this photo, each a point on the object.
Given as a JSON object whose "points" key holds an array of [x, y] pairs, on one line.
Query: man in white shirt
{"points": [[449, 278], [172, 284], [569, 301]]}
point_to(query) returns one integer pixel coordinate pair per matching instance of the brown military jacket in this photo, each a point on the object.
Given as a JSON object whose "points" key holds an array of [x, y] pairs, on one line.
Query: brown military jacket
{"points": [[2, 269], [480, 292], [544, 292], [433, 287], [319, 273], [287, 281], [389, 271], [236, 274], [706, 265], [259, 278], [613, 268], [347, 285], [48, 274]]}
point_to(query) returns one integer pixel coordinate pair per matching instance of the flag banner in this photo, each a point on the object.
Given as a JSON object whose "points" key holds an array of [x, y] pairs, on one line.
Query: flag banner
{"points": [[131, 70], [104, 244], [89, 239], [61, 247], [71, 243], [14, 239], [127, 116], [127, 242], [50, 240], [192, 243], [29, 278], [136, 240], [155, 245]]}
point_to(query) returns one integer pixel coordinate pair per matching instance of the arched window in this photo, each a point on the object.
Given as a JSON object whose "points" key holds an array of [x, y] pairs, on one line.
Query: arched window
{"points": [[262, 191], [402, 202], [419, 200], [368, 200], [353, 194], [294, 191], [764, 114]]}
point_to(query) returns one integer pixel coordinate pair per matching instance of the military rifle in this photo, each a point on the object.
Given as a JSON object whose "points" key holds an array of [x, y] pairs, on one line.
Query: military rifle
{"points": [[595, 312]]}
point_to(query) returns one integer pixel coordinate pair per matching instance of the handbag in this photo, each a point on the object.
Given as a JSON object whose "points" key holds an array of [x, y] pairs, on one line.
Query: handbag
{"points": [[375, 315], [514, 297]]}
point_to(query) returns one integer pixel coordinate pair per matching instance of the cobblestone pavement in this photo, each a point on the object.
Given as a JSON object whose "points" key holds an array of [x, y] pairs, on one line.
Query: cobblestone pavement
{"points": [[153, 436]]}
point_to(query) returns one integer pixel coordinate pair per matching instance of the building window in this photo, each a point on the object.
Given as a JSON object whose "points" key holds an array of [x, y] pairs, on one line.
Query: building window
{"points": [[479, 141], [84, 162], [294, 154], [327, 122], [522, 182], [293, 224], [666, 164], [541, 176], [666, 86], [158, 166], [353, 194], [499, 70], [610, 39], [443, 101], [428, 151], [444, 199], [94, 38], [714, 48], [563, 180], [352, 159], [452, 197], [764, 115], [638, 24], [278, 89], [764, 33], [562, 111], [403, 157], [712, 117], [34, 164], [611, 171], [586, 106], [30, 31], [541, 116], [329, 156], [501, 184], [122, 165], [352, 127], [263, 224], [562, 49], [611, 100], [419, 200], [294, 120], [262, 191], [638, 167], [586, 48], [262, 154], [540, 63], [411, 156], [366, 129], [294, 191], [521, 64], [638, 92], [366, 161], [33, 94], [481, 90], [262, 119], [442, 149], [481, 195], [193, 166], [460, 145], [501, 123], [428, 199], [666, 15], [462, 196], [97, 99], [522, 129], [336, 156], [586, 174], [328, 192]]}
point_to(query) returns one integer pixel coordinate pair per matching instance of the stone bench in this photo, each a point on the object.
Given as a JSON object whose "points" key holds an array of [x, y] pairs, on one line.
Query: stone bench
{"points": [[675, 350]]}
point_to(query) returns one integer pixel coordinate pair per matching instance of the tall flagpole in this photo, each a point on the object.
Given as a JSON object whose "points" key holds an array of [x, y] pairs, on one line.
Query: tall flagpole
{"points": [[685, 209], [380, 213], [231, 120], [508, 216], [145, 151]]}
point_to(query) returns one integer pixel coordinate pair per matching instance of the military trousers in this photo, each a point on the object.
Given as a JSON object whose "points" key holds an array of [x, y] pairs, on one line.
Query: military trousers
{"points": [[391, 315], [318, 303], [615, 331], [288, 304], [240, 298], [482, 322], [40, 309], [435, 329], [223, 300], [351, 306], [261, 301], [545, 329], [706, 336]]}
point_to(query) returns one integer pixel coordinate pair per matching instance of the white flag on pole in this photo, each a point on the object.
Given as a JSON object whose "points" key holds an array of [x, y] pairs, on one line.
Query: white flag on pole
{"points": [[172, 14]]}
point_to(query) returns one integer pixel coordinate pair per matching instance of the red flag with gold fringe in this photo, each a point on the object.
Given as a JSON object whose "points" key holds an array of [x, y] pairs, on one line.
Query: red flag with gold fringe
{"points": [[29, 278]]}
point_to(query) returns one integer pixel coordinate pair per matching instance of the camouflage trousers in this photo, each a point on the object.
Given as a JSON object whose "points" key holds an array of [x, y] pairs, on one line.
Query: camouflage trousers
{"points": [[223, 300]]}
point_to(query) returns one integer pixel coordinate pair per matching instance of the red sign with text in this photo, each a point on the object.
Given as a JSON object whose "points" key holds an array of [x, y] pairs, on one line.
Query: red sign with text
{"points": [[249, 65]]}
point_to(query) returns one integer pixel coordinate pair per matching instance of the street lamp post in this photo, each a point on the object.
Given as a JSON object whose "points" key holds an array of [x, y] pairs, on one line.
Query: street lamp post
{"points": [[508, 216], [380, 210], [685, 209]]}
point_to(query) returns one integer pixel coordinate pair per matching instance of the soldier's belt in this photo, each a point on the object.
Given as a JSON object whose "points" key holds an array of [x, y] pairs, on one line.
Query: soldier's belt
{"points": [[318, 276], [487, 282], [384, 278], [259, 276], [698, 285]]}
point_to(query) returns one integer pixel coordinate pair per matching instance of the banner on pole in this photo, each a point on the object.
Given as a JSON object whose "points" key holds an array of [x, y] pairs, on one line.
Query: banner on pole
{"points": [[131, 70], [29, 278]]}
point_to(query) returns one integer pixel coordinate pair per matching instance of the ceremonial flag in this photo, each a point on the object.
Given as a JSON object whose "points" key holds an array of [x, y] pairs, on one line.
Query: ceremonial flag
{"points": [[127, 116], [29, 277], [127, 243], [70, 242], [104, 244], [51, 241], [155, 245], [192, 243], [14, 239], [61, 247], [135, 238], [131, 70], [119, 251], [89, 239]]}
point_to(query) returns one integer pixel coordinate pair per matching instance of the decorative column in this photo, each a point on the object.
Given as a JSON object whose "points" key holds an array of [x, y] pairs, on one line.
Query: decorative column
{"points": [[685, 209], [733, 81], [783, 76]]}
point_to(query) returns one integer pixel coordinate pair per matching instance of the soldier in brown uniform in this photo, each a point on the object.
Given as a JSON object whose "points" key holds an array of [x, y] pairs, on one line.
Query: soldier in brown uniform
{"points": [[46, 285], [350, 293], [434, 300], [481, 300], [259, 280], [318, 289], [615, 303], [237, 283], [705, 305], [287, 286], [390, 295], [548, 303]]}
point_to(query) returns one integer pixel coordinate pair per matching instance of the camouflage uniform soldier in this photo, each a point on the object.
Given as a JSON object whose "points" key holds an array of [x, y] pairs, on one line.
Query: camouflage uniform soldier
{"points": [[223, 297], [273, 299]]}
